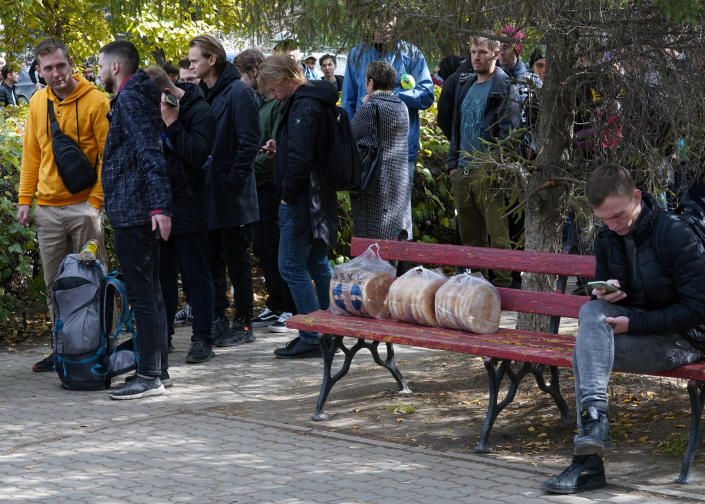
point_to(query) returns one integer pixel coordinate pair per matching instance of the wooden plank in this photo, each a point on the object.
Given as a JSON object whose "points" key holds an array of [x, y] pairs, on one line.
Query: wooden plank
{"points": [[479, 257], [525, 346], [546, 303]]}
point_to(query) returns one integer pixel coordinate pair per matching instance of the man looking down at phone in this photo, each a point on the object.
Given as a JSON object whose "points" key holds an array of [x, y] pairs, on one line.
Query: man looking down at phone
{"points": [[654, 323]]}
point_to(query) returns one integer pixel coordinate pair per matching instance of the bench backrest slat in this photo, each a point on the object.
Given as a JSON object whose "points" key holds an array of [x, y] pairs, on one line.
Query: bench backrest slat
{"points": [[545, 303], [479, 258]]}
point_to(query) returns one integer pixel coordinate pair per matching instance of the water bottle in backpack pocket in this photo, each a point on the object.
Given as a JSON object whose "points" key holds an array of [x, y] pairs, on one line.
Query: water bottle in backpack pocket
{"points": [[83, 298]]}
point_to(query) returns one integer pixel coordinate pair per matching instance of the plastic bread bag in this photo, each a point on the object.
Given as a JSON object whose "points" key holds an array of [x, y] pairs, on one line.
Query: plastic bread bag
{"points": [[360, 286], [470, 303], [412, 296]]}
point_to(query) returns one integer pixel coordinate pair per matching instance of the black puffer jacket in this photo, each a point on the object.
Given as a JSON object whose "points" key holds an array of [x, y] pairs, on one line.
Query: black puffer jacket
{"points": [[187, 144], [231, 187], [302, 161], [672, 266]]}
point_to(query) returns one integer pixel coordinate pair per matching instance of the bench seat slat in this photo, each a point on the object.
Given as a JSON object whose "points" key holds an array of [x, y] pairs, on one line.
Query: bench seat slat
{"points": [[479, 257], [515, 344]]}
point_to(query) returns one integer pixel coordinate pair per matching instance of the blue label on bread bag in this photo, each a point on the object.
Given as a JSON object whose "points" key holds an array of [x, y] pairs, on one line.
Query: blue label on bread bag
{"points": [[356, 297], [338, 296]]}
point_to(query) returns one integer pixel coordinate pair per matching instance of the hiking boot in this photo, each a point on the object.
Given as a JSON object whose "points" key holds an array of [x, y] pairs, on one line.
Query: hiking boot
{"points": [[44, 365], [166, 380], [595, 433], [266, 318], [138, 387], [297, 349], [199, 352], [584, 473], [239, 333], [219, 327], [280, 325], [183, 316]]}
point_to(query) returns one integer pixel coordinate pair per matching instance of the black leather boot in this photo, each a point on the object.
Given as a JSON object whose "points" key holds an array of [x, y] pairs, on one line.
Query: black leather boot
{"points": [[584, 473], [595, 433]]}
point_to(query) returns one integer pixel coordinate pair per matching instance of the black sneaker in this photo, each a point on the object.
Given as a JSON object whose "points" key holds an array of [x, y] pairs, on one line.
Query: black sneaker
{"points": [[199, 352], [239, 333], [594, 435], [219, 327], [297, 349], [280, 325], [137, 388], [44, 365], [266, 318], [166, 380], [584, 473]]}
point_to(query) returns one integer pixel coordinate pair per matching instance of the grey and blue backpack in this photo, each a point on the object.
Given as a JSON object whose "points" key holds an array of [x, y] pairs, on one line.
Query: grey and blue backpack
{"points": [[87, 306]]}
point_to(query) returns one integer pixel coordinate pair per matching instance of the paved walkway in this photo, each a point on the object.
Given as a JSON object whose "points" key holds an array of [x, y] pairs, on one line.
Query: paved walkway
{"points": [[72, 447]]}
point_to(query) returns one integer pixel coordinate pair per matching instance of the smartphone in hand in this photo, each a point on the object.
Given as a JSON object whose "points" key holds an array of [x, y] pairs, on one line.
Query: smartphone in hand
{"points": [[604, 286], [170, 99]]}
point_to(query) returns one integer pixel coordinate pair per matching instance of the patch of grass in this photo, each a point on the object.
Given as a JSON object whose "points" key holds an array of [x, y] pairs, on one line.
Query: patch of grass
{"points": [[675, 444], [401, 408]]}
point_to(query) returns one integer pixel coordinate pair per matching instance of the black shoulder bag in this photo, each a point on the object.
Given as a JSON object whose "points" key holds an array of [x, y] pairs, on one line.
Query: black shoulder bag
{"points": [[371, 157], [74, 168]]}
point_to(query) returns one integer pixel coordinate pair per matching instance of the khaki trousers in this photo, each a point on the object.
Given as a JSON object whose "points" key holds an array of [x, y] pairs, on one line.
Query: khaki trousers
{"points": [[479, 217], [62, 230]]}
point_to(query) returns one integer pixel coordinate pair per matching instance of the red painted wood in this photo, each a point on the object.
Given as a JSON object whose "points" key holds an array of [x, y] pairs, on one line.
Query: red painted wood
{"points": [[545, 303], [479, 257], [524, 346]]}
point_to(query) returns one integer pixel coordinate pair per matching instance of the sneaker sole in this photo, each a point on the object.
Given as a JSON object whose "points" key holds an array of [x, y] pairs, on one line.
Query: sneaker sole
{"points": [[279, 329], [588, 448], [225, 344], [590, 485], [198, 361], [147, 393], [263, 323]]}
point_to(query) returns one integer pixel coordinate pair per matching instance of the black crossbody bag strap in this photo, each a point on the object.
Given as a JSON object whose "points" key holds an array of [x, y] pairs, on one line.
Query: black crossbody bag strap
{"points": [[55, 130]]}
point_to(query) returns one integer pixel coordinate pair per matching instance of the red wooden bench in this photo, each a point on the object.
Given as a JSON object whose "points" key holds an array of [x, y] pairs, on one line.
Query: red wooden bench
{"points": [[531, 352]]}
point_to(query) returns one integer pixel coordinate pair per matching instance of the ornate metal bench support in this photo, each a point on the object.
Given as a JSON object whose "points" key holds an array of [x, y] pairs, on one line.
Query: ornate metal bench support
{"points": [[496, 375], [696, 390], [329, 345], [554, 389]]}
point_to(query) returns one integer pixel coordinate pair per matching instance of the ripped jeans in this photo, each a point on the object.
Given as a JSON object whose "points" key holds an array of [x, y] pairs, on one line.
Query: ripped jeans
{"points": [[598, 350]]}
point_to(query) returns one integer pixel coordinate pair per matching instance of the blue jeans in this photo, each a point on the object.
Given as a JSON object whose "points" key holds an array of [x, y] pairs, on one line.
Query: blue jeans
{"points": [[598, 350], [137, 250], [302, 260]]}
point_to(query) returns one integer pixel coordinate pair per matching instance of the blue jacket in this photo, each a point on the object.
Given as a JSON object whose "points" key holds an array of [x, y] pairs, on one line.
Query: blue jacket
{"points": [[407, 58], [134, 169]]}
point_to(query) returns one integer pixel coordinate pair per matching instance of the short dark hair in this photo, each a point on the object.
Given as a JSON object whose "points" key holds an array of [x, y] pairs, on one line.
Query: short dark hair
{"points": [[185, 63], [159, 75], [248, 60], [8, 69], [325, 57], [606, 180], [125, 52], [169, 68], [382, 74], [48, 46], [211, 46]]}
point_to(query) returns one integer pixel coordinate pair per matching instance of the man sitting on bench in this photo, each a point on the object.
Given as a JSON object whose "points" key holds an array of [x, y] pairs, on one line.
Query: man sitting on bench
{"points": [[654, 322]]}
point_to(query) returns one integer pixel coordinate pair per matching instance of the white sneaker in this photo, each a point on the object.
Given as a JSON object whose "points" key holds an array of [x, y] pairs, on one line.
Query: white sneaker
{"points": [[266, 318], [280, 325]]}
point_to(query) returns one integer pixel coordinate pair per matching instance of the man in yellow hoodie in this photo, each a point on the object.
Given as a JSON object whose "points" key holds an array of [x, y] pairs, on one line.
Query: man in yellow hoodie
{"points": [[65, 220]]}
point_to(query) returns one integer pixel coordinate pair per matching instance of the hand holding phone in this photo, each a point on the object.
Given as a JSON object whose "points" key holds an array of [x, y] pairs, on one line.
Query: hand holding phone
{"points": [[170, 99], [604, 286]]}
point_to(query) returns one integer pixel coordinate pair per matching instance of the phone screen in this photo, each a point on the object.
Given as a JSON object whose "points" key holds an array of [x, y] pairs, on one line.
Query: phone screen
{"points": [[601, 285]]}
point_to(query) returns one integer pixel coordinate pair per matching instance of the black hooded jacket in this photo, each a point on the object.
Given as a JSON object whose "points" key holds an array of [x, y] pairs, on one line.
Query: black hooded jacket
{"points": [[231, 188], [302, 161], [668, 289], [187, 143]]}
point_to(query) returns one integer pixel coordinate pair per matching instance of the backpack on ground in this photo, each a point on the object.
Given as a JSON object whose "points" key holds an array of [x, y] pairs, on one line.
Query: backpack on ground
{"points": [[83, 298]]}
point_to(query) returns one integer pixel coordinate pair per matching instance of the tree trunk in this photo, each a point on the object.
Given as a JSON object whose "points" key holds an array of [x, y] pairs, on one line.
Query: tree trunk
{"points": [[547, 202]]}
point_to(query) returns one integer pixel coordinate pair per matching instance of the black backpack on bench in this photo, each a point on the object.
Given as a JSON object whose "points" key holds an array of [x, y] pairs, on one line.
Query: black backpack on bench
{"points": [[74, 168]]}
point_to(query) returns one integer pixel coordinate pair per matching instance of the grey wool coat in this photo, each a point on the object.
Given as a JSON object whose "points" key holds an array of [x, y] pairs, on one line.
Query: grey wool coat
{"points": [[386, 210]]}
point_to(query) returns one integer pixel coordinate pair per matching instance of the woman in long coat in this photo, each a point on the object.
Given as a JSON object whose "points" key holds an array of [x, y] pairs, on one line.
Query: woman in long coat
{"points": [[385, 209]]}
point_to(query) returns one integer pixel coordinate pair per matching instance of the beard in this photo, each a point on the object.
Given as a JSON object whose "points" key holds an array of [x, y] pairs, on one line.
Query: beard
{"points": [[109, 84]]}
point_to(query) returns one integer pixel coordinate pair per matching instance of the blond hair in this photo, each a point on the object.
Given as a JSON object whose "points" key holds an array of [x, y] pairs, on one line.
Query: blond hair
{"points": [[492, 44], [160, 77], [276, 69], [211, 46]]}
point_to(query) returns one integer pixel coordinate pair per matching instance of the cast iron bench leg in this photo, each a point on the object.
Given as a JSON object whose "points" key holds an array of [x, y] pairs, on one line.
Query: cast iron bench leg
{"points": [[329, 344], [496, 375], [390, 365], [554, 389], [696, 391]]}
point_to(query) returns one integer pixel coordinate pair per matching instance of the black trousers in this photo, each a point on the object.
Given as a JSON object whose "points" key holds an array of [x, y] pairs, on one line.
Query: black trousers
{"points": [[266, 247], [229, 248], [137, 250], [188, 253]]}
